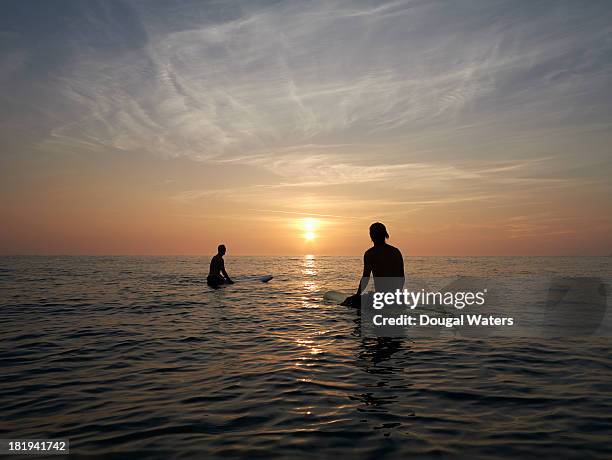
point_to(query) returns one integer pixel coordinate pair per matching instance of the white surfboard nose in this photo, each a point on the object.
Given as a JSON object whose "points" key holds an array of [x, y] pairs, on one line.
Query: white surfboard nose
{"points": [[335, 296]]}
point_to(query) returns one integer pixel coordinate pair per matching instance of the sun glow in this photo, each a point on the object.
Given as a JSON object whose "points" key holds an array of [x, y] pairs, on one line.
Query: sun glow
{"points": [[309, 226]]}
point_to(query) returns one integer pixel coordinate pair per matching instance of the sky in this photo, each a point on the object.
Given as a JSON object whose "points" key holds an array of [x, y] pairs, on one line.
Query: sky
{"points": [[281, 127]]}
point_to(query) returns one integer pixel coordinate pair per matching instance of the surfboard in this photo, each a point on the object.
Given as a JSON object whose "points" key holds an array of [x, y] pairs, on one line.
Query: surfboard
{"points": [[335, 296], [339, 297], [252, 278], [247, 279]]}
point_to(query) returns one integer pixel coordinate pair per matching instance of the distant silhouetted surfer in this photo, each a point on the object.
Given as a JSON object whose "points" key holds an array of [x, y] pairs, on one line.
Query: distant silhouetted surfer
{"points": [[383, 261], [217, 274]]}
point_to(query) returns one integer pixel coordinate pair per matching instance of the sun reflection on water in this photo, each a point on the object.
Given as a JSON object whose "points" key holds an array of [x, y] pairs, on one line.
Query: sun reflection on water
{"points": [[309, 265], [310, 345], [309, 285]]}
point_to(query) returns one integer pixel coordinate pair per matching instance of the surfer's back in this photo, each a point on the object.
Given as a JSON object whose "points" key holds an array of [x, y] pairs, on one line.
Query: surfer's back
{"points": [[216, 265], [385, 261]]}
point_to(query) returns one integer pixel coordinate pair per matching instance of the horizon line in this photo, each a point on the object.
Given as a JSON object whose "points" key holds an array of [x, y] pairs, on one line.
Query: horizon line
{"points": [[297, 255]]}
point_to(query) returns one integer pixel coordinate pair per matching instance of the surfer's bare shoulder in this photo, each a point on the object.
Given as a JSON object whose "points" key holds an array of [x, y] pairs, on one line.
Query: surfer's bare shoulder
{"points": [[387, 248]]}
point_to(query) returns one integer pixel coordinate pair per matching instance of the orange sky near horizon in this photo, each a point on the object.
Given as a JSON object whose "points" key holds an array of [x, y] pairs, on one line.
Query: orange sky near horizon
{"points": [[117, 206]]}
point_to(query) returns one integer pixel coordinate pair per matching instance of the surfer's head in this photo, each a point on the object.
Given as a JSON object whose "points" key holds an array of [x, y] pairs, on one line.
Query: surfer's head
{"points": [[221, 249], [378, 233]]}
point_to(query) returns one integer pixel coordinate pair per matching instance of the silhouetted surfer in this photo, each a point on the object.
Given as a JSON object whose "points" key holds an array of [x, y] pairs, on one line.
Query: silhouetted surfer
{"points": [[217, 274], [383, 261]]}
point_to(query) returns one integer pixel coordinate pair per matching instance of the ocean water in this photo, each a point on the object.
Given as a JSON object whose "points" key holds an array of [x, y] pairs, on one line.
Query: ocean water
{"points": [[135, 357]]}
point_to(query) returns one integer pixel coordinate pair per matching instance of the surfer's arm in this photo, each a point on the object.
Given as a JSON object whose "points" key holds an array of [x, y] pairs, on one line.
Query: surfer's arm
{"points": [[365, 277], [226, 276], [224, 273]]}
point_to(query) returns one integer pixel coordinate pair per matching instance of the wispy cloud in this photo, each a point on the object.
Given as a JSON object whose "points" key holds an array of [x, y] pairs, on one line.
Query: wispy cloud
{"points": [[269, 77]]}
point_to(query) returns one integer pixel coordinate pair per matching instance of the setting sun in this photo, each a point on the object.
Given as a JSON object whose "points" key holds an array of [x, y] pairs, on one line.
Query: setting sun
{"points": [[309, 226]]}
